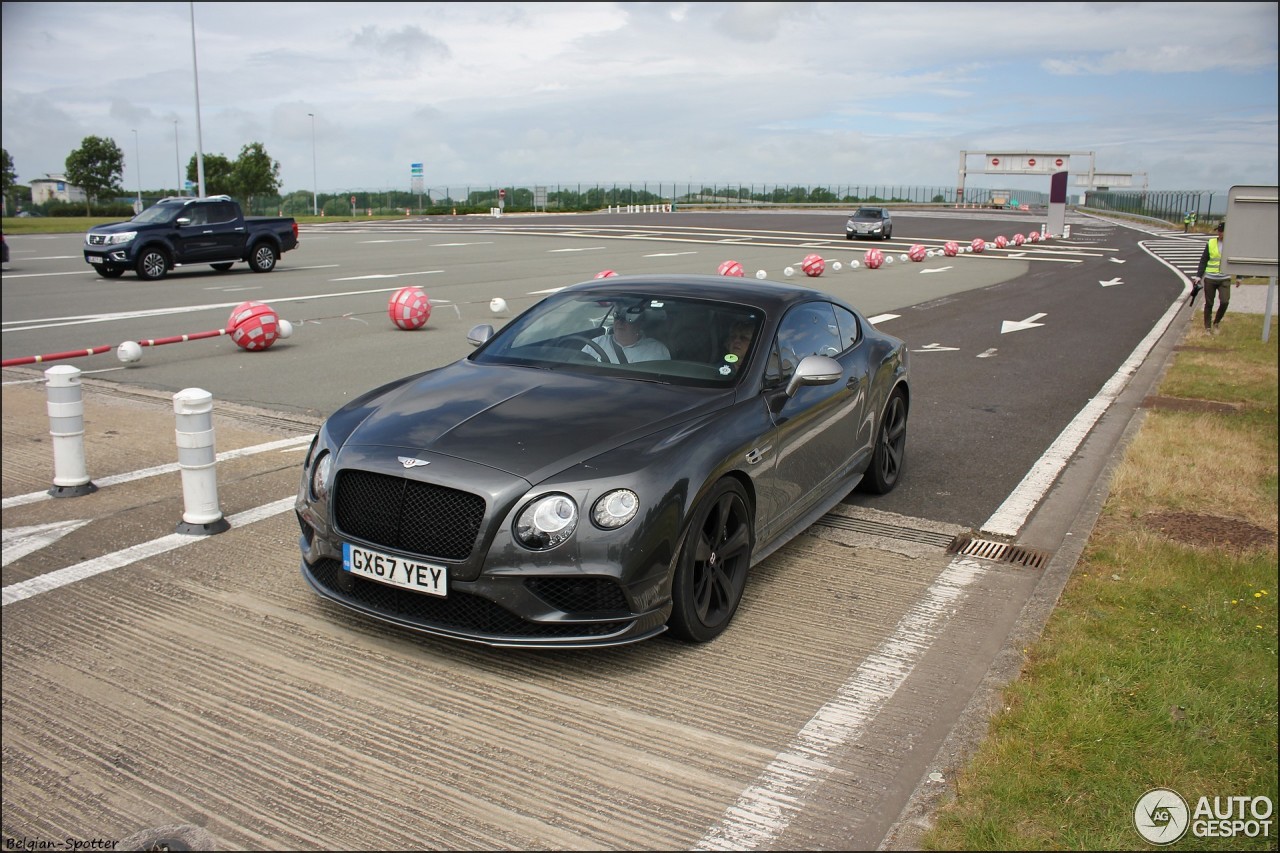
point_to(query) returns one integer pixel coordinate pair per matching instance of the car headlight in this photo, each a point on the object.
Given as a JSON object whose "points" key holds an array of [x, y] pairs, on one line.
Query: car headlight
{"points": [[117, 239], [547, 522], [615, 509], [320, 476]]}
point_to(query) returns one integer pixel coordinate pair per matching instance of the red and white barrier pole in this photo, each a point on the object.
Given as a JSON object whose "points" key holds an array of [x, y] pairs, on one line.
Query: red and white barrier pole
{"points": [[66, 428], [53, 356], [197, 460]]}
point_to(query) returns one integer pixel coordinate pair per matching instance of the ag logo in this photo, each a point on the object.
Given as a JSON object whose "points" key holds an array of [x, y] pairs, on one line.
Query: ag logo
{"points": [[1161, 816]]}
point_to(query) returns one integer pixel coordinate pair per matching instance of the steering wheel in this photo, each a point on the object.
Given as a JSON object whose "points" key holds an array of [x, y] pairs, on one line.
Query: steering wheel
{"points": [[593, 346]]}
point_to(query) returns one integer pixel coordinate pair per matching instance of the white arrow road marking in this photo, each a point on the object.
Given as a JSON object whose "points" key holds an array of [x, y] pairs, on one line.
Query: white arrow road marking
{"points": [[936, 348], [988, 353], [1112, 283], [935, 269], [1116, 260], [1019, 325], [16, 592], [21, 541]]}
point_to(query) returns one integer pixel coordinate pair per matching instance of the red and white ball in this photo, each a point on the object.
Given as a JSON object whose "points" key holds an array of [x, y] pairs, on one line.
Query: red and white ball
{"points": [[1033, 237], [606, 274], [731, 268], [978, 246], [813, 265], [950, 248], [874, 259], [1018, 239], [917, 253], [409, 308], [1001, 242], [253, 325]]}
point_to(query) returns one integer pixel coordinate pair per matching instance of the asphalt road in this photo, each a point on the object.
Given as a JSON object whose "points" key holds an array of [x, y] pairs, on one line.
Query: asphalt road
{"points": [[155, 681]]}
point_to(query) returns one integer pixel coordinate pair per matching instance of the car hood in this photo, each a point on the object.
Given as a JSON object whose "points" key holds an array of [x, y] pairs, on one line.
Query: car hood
{"points": [[527, 422]]}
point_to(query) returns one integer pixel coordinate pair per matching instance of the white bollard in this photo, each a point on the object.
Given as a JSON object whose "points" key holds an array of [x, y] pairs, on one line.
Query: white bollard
{"points": [[1066, 232], [66, 427], [197, 460]]}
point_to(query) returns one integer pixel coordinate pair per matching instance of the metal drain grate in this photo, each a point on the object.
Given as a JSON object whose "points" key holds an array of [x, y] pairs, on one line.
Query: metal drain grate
{"points": [[887, 531], [1001, 552]]}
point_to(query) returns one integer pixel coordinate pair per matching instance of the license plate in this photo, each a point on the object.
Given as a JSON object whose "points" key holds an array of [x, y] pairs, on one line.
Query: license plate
{"points": [[396, 571], [96, 259]]}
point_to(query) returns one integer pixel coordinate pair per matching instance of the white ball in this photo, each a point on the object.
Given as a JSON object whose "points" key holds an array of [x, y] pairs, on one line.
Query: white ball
{"points": [[836, 266], [761, 274], [284, 328], [888, 259], [497, 305], [853, 265], [903, 258], [129, 352], [789, 271]]}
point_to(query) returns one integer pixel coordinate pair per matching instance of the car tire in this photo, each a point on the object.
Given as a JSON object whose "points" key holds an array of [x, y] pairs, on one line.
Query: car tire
{"points": [[222, 266], [891, 447], [110, 272], [153, 264], [848, 236], [711, 571], [264, 258]]}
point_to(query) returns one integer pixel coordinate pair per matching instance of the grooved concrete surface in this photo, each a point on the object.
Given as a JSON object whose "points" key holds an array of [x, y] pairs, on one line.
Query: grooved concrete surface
{"points": [[206, 686]]}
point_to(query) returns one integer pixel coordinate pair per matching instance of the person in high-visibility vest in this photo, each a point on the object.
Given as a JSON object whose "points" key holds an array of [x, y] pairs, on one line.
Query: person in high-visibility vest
{"points": [[1186, 222], [1215, 282]]}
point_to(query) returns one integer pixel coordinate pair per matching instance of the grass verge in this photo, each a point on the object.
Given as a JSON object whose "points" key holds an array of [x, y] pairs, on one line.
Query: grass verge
{"points": [[1158, 668]]}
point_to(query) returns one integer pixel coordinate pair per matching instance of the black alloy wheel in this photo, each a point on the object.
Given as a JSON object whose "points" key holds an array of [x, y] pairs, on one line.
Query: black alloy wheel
{"points": [[891, 447], [712, 570]]}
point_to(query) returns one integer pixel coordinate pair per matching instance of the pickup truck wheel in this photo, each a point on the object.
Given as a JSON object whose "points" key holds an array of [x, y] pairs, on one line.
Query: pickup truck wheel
{"points": [[264, 258], [110, 272], [222, 267], [152, 264]]}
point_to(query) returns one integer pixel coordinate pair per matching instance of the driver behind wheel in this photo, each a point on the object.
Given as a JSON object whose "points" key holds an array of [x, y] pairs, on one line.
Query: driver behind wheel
{"points": [[626, 342]]}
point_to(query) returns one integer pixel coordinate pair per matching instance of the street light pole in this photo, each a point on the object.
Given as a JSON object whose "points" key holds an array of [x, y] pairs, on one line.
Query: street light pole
{"points": [[177, 157], [315, 187], [138, 166], [195, 73]]}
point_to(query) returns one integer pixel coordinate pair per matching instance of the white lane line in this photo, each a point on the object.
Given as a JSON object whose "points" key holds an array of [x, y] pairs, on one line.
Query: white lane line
{"points": [[143, 473], [764, 810], [54, 322], [53, 580], [880, 318]]}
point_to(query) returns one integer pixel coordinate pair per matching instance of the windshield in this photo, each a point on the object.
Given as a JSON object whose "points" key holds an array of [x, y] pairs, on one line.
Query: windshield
{"points": [[637, 336], [158, 213], [868, 213]]}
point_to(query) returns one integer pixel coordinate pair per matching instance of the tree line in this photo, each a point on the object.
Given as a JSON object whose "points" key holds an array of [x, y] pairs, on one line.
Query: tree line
{"points": [[97, 167]]}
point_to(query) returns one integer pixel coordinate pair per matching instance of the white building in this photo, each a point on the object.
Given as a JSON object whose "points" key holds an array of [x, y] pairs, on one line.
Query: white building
{"points": [[55, 188]]}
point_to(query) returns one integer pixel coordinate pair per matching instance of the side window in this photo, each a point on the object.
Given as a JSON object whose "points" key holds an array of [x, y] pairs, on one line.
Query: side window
{"points": [[850, 331], [809, 329], [221, 212], [198, 214]]}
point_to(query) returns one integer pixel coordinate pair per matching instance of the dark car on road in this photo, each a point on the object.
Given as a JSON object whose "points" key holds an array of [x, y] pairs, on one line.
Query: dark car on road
{"points": [[551, 490], [869, 222], [183, 231]]}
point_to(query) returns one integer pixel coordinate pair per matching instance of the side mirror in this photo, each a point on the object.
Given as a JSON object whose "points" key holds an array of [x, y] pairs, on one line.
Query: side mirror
{"points": [[814, 370], [479, 334], [182, 220]]}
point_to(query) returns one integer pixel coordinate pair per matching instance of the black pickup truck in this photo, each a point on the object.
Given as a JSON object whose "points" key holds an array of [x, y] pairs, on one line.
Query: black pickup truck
{"points": [[184, 231]]}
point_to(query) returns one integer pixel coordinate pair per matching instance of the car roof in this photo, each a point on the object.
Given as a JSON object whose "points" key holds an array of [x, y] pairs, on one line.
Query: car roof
{"points": [[871, 210], [762, 293]]}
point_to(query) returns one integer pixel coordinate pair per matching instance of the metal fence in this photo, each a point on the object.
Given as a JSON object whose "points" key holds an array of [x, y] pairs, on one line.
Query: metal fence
{"points": [[1171, 206]]}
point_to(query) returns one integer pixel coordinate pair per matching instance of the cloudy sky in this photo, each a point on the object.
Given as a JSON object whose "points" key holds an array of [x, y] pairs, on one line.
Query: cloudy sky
{"points": [[559, 93]]}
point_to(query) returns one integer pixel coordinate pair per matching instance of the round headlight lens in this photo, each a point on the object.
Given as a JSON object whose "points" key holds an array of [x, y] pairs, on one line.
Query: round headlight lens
{"points": [[615, 509], [320, 476], [547, 522]]}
